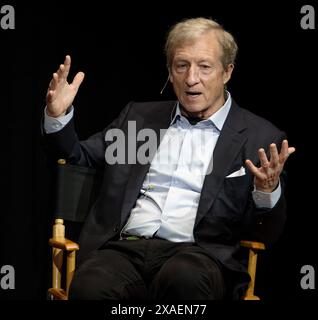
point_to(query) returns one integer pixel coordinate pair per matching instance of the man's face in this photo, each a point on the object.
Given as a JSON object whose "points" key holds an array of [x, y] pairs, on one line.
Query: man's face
{"points": [[198, 76]]}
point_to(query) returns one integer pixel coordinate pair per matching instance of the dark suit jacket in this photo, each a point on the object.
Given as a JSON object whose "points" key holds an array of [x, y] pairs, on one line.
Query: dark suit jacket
{"points": [[226, 211]]}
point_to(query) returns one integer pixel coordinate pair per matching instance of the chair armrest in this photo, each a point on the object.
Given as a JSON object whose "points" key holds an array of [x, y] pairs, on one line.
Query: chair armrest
{"points": [[253, 245], [64, 244]]}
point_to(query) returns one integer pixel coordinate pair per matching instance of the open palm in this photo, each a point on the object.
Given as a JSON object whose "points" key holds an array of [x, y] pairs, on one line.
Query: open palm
{"points": [[266, 177], [60, 94]]}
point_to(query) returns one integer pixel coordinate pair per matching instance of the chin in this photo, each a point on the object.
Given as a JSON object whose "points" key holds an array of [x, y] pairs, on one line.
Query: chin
{"points": [[192, 108]]}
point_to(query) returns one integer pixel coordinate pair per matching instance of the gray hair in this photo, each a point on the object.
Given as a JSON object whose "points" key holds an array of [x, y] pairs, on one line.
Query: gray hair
{"points": [[190, 29]]}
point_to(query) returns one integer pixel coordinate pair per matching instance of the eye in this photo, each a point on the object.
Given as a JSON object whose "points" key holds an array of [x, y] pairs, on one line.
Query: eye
{"points": [[181, 66], [205, 68]]}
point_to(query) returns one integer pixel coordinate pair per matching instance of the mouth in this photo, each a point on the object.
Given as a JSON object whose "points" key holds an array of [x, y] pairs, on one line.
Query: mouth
{"points": [[193, 94]]}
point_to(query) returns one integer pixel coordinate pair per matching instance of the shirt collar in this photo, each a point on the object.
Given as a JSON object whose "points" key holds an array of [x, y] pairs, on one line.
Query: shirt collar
{"points": [[217, 119]]}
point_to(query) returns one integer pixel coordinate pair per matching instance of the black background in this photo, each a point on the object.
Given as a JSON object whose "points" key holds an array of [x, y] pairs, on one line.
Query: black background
{"points": [[119, 46]]}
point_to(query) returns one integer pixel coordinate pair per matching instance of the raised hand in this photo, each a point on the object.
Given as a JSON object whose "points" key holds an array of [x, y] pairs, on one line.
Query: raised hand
{"points": [[266, 177], [60, 94]]}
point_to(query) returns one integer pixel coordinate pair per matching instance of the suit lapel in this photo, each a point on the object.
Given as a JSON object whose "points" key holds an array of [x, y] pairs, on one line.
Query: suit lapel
{"points": [[161, 120], [231, 139]]}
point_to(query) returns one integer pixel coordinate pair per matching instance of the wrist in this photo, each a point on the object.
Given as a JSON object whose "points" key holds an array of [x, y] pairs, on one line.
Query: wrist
{"points": [[54, 115], [266, 189]]}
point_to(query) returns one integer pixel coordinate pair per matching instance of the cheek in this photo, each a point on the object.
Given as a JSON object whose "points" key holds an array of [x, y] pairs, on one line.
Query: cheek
{"points": [[175, 79], [178, 84], [214, 84]]}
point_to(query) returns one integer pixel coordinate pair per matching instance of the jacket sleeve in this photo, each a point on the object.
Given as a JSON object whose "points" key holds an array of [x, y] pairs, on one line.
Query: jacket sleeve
{"points": [[267, 225], [91, 152]]}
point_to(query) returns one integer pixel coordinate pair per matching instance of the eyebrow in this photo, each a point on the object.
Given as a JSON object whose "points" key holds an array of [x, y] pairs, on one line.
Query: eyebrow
{"points": [[178, 60]]}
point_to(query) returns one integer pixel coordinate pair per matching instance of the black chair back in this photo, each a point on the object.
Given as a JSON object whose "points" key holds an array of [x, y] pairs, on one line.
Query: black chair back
{"points": [[77, 189]]}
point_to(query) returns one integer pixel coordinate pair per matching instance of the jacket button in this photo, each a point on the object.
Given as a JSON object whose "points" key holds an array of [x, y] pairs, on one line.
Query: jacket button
{"points": [[115, 229]]}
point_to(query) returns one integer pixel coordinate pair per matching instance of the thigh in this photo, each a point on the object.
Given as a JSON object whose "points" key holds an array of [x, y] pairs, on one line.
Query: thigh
{"points": [[107, 274], [189, 274]]}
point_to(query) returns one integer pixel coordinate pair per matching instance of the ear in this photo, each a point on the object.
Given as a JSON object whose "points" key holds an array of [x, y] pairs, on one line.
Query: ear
{"points": [[170, 75], [227, 73]]}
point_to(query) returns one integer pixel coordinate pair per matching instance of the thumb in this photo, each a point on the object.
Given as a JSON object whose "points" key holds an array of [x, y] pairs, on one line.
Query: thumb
{"points": [[78, 79]]}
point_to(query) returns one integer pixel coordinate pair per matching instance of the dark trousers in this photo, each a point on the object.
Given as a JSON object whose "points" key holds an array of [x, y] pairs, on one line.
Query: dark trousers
{"points": [[152, 269]]}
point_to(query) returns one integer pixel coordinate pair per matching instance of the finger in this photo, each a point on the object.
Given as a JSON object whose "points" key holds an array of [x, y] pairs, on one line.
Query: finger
{"points": [[50, 96], [291, 150], [263, 159], [64, 69], [54, 82], [67, 65], [78, 80], [254, 170], [274, 161], [285, 151], [60, 72]]}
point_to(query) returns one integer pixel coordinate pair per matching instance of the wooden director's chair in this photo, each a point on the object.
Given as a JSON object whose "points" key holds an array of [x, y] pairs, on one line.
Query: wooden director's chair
{"points": [[77, 189]]}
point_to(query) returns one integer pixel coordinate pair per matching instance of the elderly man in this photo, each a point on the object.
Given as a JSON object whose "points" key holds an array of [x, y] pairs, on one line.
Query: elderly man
{"points": [[166, 230]]}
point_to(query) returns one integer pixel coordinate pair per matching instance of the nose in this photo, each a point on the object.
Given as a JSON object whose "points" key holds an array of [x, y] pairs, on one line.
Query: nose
{"points": [[192, 77]]}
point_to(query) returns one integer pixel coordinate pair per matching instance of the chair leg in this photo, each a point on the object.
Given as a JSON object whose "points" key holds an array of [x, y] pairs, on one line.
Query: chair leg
{"points": [[252, 261], [70, 268], [57, 262]]}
